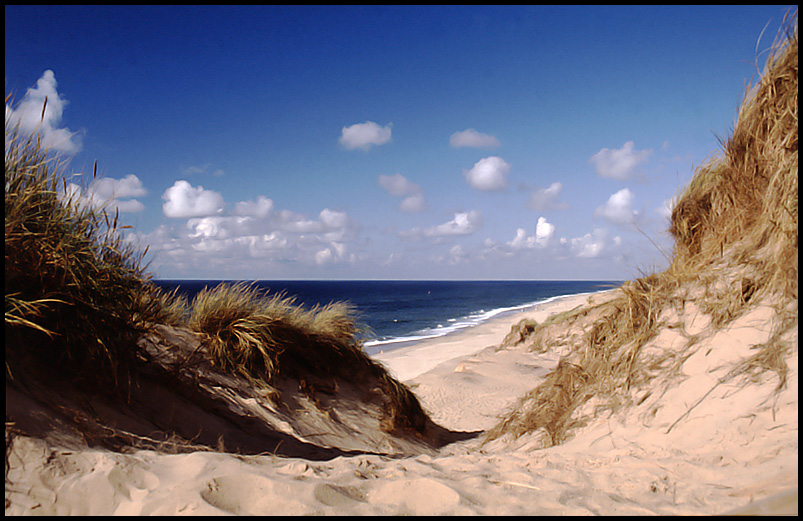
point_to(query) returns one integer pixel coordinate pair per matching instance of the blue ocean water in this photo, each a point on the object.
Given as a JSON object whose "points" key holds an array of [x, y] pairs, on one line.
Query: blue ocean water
{"points": [[397, 312]]}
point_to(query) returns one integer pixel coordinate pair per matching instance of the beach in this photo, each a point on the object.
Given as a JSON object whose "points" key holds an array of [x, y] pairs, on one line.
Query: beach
{"points": [[674, 393], [738, 445]]}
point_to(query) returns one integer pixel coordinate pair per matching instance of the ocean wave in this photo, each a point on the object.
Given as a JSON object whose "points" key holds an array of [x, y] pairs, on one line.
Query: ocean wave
{"points": [[376, 345]]}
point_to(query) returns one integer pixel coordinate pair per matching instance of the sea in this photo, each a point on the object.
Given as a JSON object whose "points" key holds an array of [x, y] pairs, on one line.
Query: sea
{"points": [[397, 313]]}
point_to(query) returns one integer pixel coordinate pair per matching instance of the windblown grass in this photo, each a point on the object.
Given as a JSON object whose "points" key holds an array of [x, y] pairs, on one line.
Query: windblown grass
{"points": [[735, 229], [264, 337], [73, 287], [78, 299]]}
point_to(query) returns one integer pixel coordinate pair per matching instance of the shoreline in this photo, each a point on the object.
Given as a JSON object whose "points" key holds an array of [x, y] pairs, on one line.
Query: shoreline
{"points": [[468, 322], [415, 357], [735, 447]]}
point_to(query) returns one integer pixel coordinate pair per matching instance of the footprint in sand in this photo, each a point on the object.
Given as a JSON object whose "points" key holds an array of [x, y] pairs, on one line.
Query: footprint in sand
{"points": [[336, 496], [248, 494], [421, 497]]}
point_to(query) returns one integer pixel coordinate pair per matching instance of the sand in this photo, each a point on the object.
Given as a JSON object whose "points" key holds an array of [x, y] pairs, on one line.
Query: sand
{"points": [[697, 448]]}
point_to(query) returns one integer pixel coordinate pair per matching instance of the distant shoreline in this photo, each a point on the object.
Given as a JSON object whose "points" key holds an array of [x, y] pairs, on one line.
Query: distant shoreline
{"points": [[374, 347], [418, 357]]}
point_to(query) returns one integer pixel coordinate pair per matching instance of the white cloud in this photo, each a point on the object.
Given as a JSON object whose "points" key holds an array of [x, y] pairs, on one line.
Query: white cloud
{"points": [[488, 174], [543, 233], [110, 189], [543, 199], [455, 256], [414, 203], [111, 194], [182, 200], [464, 223], [364, 135], [333, 220], [619, 208], [472, 138], [261, 208], [590, 245], [522, 240], [619, 163], [31, 119], [399, 186], [332, 253]]}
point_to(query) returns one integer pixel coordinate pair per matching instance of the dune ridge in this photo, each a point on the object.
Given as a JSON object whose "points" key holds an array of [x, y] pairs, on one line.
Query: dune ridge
{"points": [[676, 393]]}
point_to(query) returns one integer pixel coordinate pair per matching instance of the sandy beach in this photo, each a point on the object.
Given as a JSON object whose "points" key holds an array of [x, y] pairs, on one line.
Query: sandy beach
{"points": [[737, 449], [676, 393]]}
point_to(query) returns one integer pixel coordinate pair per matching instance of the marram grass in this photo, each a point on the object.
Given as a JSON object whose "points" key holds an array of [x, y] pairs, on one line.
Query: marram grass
{"points": [[78, 299], [73, 286], [736, 242]]}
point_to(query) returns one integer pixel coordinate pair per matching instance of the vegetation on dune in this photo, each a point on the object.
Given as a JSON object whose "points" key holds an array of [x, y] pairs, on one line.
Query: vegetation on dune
{"points": [[735, 228], [264, 337], [78, 299], [74, 289]]}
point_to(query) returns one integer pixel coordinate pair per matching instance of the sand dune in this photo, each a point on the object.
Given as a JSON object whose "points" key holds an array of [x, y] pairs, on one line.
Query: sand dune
{"points": [[738, 444], [675, 394]]}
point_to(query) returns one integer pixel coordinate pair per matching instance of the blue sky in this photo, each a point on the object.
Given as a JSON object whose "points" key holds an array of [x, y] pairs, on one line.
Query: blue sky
{"points": [[325, 142]]}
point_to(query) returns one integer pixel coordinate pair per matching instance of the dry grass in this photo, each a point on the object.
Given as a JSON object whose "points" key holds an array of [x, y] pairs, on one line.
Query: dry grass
{"points": [[78, 299], [735, 230], [264, 337], [251, 332], [73, 287]]}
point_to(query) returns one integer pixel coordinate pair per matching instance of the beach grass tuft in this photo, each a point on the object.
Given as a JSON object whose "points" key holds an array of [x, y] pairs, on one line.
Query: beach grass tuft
{"points": [[264, 337], [74, 287], [735, 229], [78, 299]]}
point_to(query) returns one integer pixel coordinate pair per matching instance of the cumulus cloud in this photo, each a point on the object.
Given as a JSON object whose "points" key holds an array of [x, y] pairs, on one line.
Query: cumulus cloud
{"points": [[414, 203], [110, 194], [619, 208], [260, 209], [182, 200], [455, 256], [590, 245], [619, 163], [464, 223], [544, 199], [332, 253], [472, 138], [364, 135], [543, 233], [120, 193], [31, 117], [254, 236], [488, 174], [399, 186]]}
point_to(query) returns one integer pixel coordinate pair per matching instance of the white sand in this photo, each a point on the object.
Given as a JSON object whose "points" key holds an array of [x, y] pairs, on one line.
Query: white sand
{"points": [[695, 448]]}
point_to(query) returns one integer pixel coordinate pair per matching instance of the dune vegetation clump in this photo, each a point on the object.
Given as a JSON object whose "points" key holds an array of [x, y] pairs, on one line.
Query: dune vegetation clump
{"points": [[79, 302], [76, 295], [736, 244], [264, 337]]}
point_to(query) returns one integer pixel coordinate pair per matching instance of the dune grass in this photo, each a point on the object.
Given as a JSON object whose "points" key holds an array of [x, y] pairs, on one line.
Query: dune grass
{"points": [[264, 337], [78, 298], [735, 229], [249, 331], [73, 286]]}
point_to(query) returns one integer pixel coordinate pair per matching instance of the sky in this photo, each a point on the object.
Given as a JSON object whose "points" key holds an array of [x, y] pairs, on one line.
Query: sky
{"points": [[366, 142]]}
